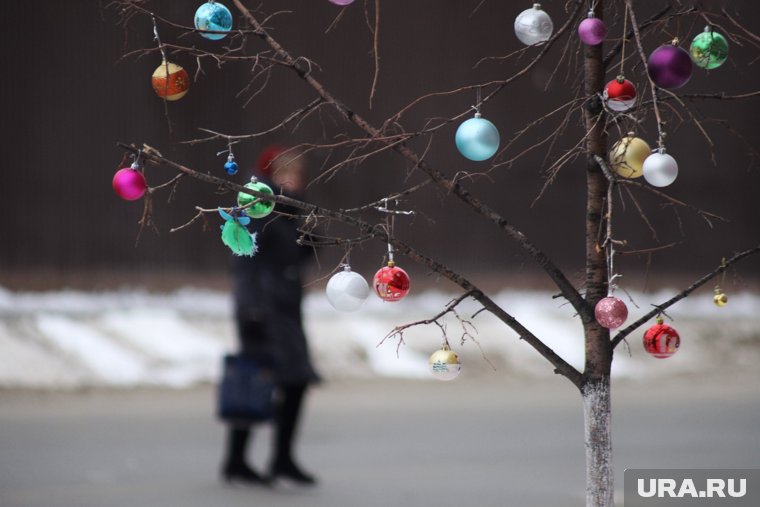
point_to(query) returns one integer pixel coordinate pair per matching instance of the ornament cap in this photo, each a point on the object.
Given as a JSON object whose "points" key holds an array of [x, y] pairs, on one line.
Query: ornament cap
{"points": [[230, 157], [659, 319], [675, 41], [254, 179], [708, 28], [135, 166], [391, 263], [620, 79], [537, 6], [590, 13], [478, 115], [346, 268]]}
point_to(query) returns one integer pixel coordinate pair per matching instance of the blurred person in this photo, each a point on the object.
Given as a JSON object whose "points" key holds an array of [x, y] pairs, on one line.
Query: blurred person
{"points": [[268, 290]]}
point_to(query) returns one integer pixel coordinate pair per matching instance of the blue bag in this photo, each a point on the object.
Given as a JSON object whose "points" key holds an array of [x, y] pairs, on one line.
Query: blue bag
{"points": [[246, 390]]}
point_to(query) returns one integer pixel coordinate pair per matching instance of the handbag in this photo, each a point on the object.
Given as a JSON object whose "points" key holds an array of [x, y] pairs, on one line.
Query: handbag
{"points": [[246, 390]]}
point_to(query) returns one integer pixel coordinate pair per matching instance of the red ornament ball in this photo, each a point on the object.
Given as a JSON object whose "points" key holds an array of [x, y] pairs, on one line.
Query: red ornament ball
{"points": [[129, 184], [620, 94], [391, 283], [170, 81], [611, 312], [661, 340]]}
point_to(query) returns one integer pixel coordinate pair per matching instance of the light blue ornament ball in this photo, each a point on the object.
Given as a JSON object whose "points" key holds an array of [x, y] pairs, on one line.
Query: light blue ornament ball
{"points": [[477, 139], [215, 17]]}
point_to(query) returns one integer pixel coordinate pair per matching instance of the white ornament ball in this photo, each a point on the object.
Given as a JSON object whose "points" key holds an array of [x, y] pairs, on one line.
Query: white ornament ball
{"points": [[660, 169], [533, 26], [444, 364], [346, 291]]}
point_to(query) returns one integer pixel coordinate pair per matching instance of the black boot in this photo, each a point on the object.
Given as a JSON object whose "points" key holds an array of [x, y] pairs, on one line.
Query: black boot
{"points": [[283, 465], [235, 468]]}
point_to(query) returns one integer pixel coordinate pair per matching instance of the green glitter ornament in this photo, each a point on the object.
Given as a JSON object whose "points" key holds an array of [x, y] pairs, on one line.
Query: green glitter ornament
{"points": [[260, 209], [709, 49]]}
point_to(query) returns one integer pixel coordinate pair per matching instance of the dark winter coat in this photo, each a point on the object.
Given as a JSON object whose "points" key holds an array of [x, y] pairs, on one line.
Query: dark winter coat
{"points": [[268, 290]]}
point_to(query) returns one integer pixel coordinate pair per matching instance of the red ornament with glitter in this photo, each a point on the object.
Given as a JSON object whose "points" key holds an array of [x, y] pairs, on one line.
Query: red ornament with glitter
{"points": [[391, 282], [661, 340], [620, 94], [611, 312]]}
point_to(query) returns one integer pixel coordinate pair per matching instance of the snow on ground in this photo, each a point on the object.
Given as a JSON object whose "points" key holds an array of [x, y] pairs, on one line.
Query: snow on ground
{"points": [[71, 339]]}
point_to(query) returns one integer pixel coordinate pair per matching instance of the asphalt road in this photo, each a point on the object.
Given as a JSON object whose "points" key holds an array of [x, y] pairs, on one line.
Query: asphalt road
{"points": [[487, 442]]}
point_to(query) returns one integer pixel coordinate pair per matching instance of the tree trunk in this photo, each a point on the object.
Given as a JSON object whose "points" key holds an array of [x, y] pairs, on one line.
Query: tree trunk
{"points": [[598, 439], [596, 389]]}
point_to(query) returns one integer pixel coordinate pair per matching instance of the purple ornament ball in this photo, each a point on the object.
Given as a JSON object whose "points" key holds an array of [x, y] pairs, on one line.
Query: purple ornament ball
{"points": [[341, 2], [592, 31], [129, 184], [611, 312], [669, 66]]}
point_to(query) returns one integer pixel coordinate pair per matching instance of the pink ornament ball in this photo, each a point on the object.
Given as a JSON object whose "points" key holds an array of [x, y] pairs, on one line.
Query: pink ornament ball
{"points": [[592, 31], [129, 184], [611, 312], [341, 2]]}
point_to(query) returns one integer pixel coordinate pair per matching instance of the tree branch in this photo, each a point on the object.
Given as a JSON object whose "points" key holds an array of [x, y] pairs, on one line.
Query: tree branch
{"points": [[681, 295]]}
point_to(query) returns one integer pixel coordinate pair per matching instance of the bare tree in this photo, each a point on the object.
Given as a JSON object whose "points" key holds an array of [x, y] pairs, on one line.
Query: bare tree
{"points": [[253, 44]]}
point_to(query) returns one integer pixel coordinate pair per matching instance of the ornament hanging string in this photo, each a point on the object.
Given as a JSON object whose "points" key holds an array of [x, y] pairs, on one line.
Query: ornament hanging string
{"points": [[625, 37], [158, 41], [390, 222]]}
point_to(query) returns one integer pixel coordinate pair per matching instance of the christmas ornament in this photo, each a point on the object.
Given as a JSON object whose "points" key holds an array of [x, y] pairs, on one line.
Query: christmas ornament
{"points": [[444, 364], [170, 81], [231, 166], [620, 94], [129, 183], [260, 208], [611, 312], [341, 2], [669, 66], [533, 26], [627, 156], [391, 282], [347, 290], [477, 139], [720, 299], [661, 340], [709, 49], [235, 235], [660, 169], [592, 30], [214, 17]]}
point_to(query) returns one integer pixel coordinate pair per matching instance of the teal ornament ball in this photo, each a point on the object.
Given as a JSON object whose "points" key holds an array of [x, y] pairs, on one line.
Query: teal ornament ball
{"points": [[214, 17], [260, 209], [709, 49], [477, 139]]}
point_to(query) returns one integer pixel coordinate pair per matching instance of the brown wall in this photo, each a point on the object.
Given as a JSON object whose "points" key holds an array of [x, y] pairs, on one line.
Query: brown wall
{"points": [[69, 97]]}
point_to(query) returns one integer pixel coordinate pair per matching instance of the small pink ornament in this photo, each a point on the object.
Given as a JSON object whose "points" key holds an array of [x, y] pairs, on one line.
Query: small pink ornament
{"points": [[611, 312], [592, 30], [129, 184], [341, 2]]}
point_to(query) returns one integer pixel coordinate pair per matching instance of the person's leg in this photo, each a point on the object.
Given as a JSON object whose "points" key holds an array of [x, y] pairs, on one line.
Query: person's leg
{"points": [[235, 467], [288, 413]]}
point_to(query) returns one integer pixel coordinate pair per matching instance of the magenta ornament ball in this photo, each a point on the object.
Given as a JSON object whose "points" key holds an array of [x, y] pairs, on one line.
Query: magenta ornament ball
{"points": [[611, 312], [592, 31], [669, 66], [129, 184], [341, 2]]}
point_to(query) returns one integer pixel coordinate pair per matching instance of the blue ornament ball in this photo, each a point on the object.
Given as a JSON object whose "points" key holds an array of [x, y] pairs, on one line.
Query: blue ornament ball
{"points": [[215, 17], [477, 139], [231, 167]]}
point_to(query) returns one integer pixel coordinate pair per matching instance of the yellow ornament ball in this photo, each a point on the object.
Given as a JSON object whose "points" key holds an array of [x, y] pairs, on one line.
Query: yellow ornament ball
{"points": [[720, 299], [170, 81], [627, 156]]}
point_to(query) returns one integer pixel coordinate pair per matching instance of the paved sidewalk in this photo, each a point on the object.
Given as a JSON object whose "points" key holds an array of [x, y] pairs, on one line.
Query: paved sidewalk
{"points": [[485, 442]]}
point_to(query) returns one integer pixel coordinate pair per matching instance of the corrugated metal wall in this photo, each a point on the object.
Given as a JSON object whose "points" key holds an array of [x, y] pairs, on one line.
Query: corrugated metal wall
{"points": [[69, 97]]}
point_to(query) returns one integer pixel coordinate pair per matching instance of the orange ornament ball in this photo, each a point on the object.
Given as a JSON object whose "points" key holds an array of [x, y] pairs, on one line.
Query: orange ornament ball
{"points": [[170, 81]]}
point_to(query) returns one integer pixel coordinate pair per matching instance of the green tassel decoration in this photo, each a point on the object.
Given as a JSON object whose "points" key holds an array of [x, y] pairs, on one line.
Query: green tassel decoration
{"points": [[235, 235]]}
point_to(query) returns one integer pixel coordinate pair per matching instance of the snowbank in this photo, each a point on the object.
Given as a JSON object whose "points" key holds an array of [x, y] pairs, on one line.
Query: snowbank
{"points": [[70, 339]]}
